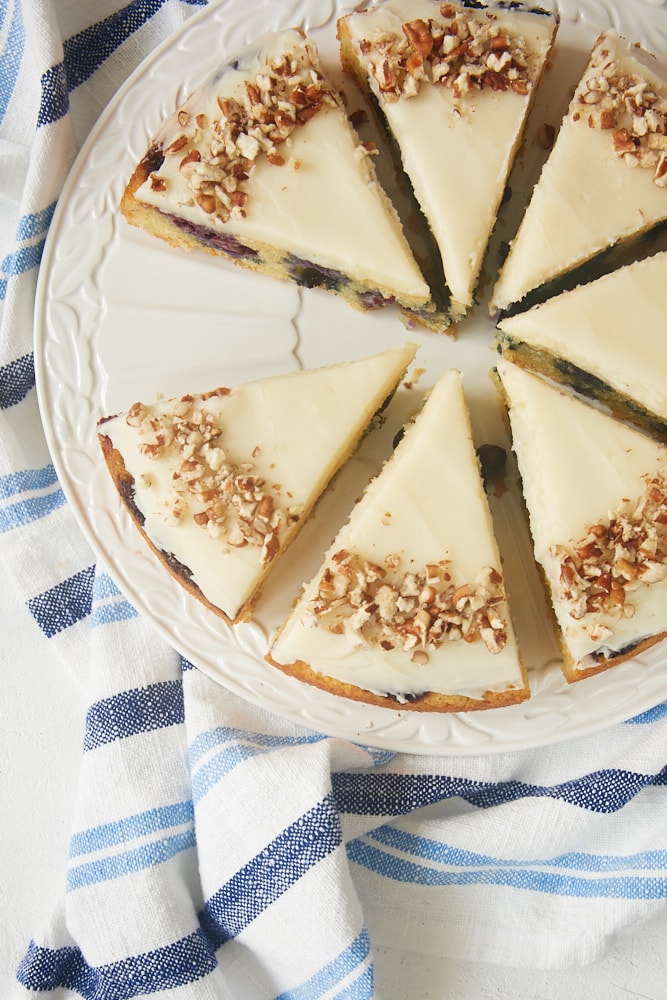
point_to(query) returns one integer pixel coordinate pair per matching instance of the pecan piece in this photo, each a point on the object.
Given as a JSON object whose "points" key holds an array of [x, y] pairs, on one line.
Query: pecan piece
{"points": [[419, 37]]}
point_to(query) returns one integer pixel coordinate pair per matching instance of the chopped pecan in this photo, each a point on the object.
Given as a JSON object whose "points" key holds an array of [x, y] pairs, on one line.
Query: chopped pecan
{"points": [[616, 557], [419, 37], [625, 105], [226, 499], [461, 51], [417, 611], [220, 152]]}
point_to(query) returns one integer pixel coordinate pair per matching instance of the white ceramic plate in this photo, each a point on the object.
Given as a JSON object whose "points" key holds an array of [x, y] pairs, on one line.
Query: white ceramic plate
{"points": [[121, 317]]}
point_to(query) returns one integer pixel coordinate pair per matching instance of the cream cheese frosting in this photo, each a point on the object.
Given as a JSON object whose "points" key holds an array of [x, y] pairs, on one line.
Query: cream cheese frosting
{"points": [[425, 520], [610, 328], [224, 480], [604, 179], [581, 469], [313, 195], [457, 144]]}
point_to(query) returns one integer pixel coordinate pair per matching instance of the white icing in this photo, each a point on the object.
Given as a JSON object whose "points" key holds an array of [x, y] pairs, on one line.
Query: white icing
{"points": [[577, 465], [611, 327], [295, 429], [587, 198], [426, 504], [457, 152], [331, 210]]}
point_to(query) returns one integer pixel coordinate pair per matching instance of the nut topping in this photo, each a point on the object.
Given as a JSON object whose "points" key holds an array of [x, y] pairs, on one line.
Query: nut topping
{"points": [[626, 551], [628, 108], [217, 155], [227, 499], [458, 51], [416, 612]]}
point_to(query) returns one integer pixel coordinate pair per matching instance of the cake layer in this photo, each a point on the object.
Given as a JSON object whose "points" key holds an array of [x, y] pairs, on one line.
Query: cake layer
{"points": [[605, 339], [453, 83], [596, 495], [409, 607], [220, 482], [262, 164], [605, 180]]}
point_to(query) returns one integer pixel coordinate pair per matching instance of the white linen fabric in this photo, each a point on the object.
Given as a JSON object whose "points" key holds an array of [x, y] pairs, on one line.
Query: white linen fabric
{"points": [[217, 850]]}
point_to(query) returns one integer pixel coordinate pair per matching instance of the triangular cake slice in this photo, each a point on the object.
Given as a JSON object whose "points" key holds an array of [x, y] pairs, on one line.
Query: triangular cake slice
{"points": [[219, 483], [596, 495], [451, 84], [605, 180], [262, 166], [409, 608], [605, 339]]}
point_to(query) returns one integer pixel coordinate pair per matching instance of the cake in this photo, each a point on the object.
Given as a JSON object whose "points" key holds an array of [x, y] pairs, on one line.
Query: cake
{"points": [[604, 182], [451, 85], [605, 339], [219, 483], [261, 165], [409, 608], [596, 493]]}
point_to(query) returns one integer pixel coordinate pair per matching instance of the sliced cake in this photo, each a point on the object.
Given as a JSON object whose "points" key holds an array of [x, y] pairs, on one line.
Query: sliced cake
{"points": [[596, 493], [220, 483], [605, 339], [451, 84], [409, 608], [262, 166], [605, 180]]}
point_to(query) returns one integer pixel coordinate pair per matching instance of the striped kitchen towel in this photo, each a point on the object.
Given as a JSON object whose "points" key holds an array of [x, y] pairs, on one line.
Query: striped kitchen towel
{"points": [[218, 850]]}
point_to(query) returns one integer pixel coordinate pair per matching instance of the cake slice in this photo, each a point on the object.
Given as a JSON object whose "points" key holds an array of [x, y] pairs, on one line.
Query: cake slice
{"points": [[219, 483], [409, 608], [596, 493], [605, 180], [451, 85], [605, 339], [262, 166]]}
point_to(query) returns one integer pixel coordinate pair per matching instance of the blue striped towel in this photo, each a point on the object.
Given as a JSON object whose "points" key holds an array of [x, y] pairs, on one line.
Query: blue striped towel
{"points": [[218, 850]]}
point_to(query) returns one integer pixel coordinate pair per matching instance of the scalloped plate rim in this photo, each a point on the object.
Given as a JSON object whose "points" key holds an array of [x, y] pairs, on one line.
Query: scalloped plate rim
{"points": [[441, 735]]}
